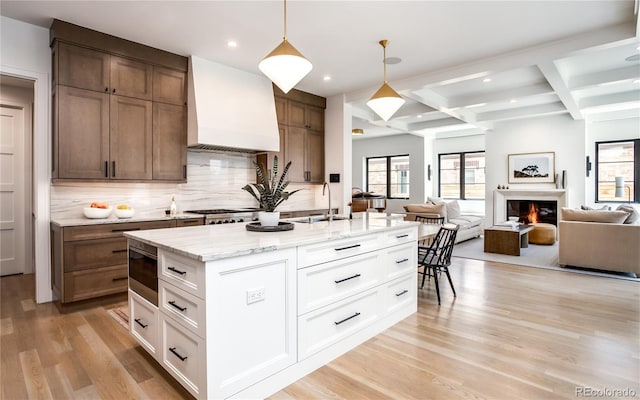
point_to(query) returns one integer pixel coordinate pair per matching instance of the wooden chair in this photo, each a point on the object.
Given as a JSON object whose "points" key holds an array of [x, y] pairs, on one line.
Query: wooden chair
{"points": [[430, 219], [437, 256]]}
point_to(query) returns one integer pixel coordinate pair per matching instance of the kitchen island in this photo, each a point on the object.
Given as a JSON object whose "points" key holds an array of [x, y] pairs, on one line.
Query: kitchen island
{"points": [[243, 314]]}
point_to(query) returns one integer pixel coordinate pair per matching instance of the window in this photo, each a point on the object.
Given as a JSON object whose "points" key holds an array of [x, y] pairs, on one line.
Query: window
{"points": [[389, 176], [461, 175], [617, 158]]}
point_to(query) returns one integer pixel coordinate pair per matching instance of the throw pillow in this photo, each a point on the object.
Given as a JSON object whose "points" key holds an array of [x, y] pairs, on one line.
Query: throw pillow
{"points": [[633, 213], [614, 217], [435, 200], [453, 209], [605, 207], [440, 209]]}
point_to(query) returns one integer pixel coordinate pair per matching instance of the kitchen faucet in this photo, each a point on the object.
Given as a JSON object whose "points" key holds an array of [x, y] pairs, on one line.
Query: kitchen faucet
{"points": [[326, 185]]}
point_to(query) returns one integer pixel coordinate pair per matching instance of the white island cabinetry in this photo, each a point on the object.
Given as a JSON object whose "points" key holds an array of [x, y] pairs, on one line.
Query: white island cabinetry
{"points": [[248, 322]]}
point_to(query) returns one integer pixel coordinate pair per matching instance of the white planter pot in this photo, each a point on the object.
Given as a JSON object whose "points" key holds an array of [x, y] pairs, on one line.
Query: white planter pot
{"points": [[267, 218]]}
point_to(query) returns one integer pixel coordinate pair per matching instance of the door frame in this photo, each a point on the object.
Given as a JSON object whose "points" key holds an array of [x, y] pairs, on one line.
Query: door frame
{"points": [[41, 176]]}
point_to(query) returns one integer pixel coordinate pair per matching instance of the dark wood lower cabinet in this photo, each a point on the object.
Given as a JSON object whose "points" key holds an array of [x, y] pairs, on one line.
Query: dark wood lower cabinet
{"points": [[90, 261]]}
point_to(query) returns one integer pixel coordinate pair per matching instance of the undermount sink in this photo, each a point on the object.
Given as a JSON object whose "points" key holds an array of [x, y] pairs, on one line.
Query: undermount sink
{"points": [[319, 218]]}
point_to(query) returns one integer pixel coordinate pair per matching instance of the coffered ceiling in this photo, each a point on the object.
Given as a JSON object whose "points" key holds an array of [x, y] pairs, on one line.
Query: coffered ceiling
{"points": [[464, 64]]}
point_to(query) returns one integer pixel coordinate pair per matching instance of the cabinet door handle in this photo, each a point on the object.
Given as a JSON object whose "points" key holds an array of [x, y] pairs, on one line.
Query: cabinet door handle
{"points": [[106, 169], [173, 303], [119, 279], [124, 229], [184, 171], [177, 271], [113, 169], [119, 251], [347, 247], [140, 323], [113, 91], [346, 279], [175, 353], [401, 236], [401, 261], [346, 319], [106, 89], [401, 293]]}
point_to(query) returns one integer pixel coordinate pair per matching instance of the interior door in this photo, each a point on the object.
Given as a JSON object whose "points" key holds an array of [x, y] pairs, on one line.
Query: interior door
{"points": [[12, 190]]}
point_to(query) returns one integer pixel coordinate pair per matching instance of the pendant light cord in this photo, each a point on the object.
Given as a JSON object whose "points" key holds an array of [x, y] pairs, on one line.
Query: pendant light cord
{"points": [[383, 43], [285, 21]]}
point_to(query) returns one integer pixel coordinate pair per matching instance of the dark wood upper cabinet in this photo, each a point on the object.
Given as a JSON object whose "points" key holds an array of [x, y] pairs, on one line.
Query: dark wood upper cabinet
{"points": [[131, 138], [131, 78], [281, 110], [169, 144], [82, 68], [169, 86]]}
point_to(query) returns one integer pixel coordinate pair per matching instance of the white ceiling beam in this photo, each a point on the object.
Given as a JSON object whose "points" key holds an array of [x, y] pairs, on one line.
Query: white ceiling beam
{"points": [[523, 112], [524, 57], [612, 100], [598, 78], [502, 95], [550, 71], [438, 123]]}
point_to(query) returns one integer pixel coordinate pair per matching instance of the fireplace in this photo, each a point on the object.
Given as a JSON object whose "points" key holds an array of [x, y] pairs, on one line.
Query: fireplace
{"points": [[533, 211]]}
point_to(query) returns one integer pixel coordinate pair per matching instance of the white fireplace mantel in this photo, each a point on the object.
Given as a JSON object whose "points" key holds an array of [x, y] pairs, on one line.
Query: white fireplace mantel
{"points": [[501, 196]]}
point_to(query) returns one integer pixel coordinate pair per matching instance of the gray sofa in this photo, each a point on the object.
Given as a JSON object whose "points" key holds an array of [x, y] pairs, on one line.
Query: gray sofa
{"points": [[470, 226]]}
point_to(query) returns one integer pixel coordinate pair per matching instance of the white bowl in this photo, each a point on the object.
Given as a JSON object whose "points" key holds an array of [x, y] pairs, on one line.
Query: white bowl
{"points": [[124, 213], [514, 219], [97, 213]]}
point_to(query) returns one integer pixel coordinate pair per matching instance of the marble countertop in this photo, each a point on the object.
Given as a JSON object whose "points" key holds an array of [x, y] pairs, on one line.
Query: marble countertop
{"points": [[115, 220], [213, 242]]}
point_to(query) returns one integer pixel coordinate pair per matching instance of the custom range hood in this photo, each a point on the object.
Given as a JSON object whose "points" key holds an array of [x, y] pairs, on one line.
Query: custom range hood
{"points": [[230, 109]]}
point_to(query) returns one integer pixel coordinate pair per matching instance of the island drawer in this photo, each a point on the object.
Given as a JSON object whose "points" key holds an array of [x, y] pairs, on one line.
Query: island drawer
{"points": [[87, 254], [405, 235], [100, 231], [143, 322], [336, 249], [184, 356], [187, 309], [327, 283], [185, 273], [401, 260], [81, 285], [328, 325], [401, 293]]}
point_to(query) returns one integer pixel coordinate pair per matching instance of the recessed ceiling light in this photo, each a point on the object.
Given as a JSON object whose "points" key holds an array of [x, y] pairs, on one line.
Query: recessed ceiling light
{"points": [[486, 80], [326, 78], [232, 43], [392, 60], [634, 57], [419, 115], [513, 101]]}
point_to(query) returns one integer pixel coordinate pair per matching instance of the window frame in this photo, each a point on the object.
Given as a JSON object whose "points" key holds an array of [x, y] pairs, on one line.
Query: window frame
{"points": [[388, 172], [461, 177], [636, 170]]}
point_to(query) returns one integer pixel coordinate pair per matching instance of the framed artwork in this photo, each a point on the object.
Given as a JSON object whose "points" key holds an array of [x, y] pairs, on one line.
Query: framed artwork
{"points": [[532, 167]]}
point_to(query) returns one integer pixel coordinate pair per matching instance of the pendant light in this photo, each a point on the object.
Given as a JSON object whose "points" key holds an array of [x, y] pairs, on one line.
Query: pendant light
{"points": [[386, 101], [285, 65]]}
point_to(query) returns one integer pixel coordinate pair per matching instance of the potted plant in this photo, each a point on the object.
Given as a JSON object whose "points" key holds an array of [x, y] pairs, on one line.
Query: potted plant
{"points": [[269, 191]]}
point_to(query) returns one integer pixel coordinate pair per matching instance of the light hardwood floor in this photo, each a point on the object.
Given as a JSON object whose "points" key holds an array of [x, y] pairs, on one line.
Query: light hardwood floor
{"points": [[513, 333]]}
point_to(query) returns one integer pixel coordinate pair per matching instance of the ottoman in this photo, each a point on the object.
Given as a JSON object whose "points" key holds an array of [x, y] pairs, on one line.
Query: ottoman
{"points": [[543, 234]]}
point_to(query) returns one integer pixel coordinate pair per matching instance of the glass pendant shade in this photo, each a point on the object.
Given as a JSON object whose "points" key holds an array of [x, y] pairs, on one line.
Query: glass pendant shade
{"points": [[285, 66], [385, 102]]}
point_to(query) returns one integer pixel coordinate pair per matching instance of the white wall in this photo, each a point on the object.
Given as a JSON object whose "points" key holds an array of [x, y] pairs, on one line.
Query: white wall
{"points": [[25, 53], [560, 134], [390, 146]]}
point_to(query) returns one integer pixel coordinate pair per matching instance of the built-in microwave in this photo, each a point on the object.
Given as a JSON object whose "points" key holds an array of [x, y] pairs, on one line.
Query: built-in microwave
{"points": [[143, 270]]}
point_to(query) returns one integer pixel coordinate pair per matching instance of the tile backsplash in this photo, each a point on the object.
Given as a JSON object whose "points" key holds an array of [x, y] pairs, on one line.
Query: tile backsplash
{"points": [[214, 180]]}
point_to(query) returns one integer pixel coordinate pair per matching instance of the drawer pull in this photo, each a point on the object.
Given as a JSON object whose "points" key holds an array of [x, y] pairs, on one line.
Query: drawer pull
{"points": [[175, 353], [401, 261], [119, 279], [346, 279], [140, 323], [173, 303], [347, 247], [124, 229], [119, 251], [346, 319], [177, 271], [401, 236], [401, 293]]}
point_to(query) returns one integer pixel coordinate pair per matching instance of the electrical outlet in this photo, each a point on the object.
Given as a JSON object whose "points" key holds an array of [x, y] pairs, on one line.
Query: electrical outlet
{"points": [[255, 295]]}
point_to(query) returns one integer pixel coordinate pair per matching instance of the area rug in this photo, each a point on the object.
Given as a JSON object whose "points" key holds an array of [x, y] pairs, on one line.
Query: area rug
{"points": [[536, 256], [121, 315]]}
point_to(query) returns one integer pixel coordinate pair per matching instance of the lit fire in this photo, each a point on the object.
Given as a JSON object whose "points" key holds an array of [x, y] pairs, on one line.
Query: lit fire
{"points": [[533, 214]]}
